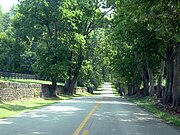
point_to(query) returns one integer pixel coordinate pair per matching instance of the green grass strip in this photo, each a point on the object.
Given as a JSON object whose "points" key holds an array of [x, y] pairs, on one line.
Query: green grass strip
{"points": [[148, 103], [28, 81]]}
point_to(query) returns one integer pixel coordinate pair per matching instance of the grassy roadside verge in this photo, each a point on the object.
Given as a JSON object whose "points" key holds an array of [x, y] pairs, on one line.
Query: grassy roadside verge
{"points": [[149, 104], [16, 107]]}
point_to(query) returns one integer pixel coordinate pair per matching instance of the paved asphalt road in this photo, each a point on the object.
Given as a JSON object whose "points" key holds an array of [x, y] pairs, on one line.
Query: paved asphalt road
{"points": [[104, 114]]}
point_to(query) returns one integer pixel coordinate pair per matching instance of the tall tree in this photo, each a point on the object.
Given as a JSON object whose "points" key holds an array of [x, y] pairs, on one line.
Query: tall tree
{"points": [[43, 23], [91, 17]]}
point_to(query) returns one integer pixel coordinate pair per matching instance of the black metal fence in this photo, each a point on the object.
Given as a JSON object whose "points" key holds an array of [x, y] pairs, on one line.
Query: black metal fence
{"points": [[10, 75]]}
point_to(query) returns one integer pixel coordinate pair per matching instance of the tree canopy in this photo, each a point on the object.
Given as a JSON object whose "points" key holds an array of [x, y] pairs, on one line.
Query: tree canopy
{"points": [[133, 43]]}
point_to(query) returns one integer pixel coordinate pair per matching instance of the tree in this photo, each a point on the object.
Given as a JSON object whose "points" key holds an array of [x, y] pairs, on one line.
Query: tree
{"points": [[95, 67], [61, 30], [10, 46], [176, 84], [48, 31], [91, 17], [167, 32], [1, 19]]}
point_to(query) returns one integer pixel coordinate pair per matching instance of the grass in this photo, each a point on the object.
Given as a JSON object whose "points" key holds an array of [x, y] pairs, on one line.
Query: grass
{"points": [[28, 81], [16, 107], [148, 103]]}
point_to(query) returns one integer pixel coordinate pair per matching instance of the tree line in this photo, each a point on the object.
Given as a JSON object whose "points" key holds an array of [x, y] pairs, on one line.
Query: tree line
{"points": [[145, 38], [58, 39]]}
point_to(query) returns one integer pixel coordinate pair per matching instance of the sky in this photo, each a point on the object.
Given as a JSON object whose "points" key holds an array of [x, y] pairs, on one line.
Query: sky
{"points": [[7, 4]]}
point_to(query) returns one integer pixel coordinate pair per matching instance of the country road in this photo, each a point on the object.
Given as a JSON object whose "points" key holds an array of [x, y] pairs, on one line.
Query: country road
{"points": [[102, 114]]}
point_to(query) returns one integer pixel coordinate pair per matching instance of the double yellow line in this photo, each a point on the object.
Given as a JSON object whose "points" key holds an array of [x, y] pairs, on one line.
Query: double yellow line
{"points": [[83, 123]]}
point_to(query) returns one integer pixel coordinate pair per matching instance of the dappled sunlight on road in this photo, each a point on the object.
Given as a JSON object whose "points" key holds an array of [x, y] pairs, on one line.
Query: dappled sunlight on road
{"points": [[55, 108], [52, 109], [124, 116], [127, 119], [107, 90], [36, 133], [106, 100], [4, 121], [116, 102]]}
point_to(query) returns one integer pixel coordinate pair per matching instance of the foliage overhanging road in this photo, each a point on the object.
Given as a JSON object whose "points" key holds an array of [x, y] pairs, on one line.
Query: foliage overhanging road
{"points": [[104, 114]]}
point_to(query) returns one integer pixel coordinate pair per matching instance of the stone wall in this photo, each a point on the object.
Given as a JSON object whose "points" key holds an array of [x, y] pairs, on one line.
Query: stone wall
{"points": [[81, 89], [16, 91]]}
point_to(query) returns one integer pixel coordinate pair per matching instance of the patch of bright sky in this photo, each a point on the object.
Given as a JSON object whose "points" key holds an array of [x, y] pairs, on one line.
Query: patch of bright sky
{"points": [[7, 4]]}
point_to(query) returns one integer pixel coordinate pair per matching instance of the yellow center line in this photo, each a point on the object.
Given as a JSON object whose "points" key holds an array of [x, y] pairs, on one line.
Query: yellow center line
{"points": [[83, 123], [86, 132]]}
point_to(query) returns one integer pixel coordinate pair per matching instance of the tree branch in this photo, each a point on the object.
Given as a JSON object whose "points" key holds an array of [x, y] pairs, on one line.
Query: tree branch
{"points": [[92, 26]]}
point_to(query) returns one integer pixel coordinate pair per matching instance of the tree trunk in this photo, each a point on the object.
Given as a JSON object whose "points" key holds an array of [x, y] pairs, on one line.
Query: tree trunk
{"points": [[130, 89], [120, 91], [144, 77], [137, 90], [103, 74], [70, 86], [169, 80], [176, 84], [52, 91], [66, 86], [134, 89], [69, 73], [159, 82], [151, 88], [145, 82]]}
